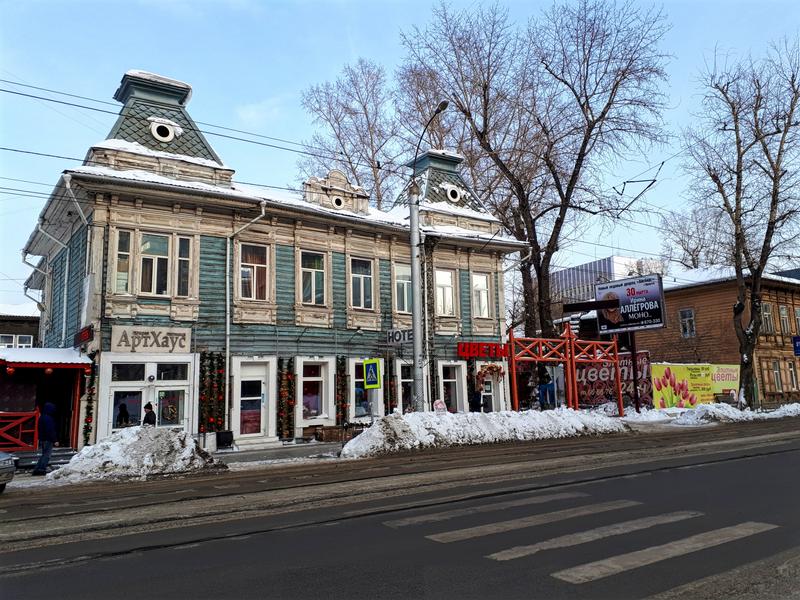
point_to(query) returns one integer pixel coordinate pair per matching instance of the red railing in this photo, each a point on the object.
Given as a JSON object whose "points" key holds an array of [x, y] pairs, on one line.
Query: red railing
{"points": [[19, 431]]}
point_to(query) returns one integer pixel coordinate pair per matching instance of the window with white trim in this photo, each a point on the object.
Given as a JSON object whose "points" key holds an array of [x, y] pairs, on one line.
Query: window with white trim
{"points": [[154, 272], [123, 264], [313, 389], [783, 313], [776, 376], [184, 267], [792, 374], [797, 320], [361, 283], [767, 324], [445, 293], [402, 288], [24, 341], [480, 295], [687, 322], [312, 273], [7, 341], [451, 387], [406, 388], [253, 272]]}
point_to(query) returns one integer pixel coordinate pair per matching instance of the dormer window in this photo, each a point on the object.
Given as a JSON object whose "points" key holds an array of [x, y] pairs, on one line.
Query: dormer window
{"points": [[163, 129]]}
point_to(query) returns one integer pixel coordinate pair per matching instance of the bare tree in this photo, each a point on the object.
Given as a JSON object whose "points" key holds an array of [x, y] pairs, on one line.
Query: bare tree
{"points": [[548, 107], [745, 154], [697, 239], [358, 134]]}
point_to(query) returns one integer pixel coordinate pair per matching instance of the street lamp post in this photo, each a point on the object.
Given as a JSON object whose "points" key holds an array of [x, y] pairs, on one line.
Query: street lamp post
{"points": [[416, 278]]}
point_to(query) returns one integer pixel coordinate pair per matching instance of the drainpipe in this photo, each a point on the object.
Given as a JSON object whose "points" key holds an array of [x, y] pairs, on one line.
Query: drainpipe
{"points": [[67, 178], [66, 283], [228, 307]]}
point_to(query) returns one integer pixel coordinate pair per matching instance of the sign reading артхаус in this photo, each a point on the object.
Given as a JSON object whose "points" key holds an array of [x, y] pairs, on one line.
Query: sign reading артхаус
{"points": [[641, 304], [150, 339]]}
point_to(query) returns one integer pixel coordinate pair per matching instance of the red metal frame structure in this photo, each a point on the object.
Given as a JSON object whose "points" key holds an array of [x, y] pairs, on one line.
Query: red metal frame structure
{"points": [[568, 350], [16, 428]]}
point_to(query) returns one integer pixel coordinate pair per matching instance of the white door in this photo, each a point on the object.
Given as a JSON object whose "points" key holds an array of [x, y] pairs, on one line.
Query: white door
{"points": [[252, 399]]}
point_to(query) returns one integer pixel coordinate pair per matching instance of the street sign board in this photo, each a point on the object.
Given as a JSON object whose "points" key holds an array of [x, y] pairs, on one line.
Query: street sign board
{"points": [[396, 337], [641, 304], [796, 343], [372, 374]]}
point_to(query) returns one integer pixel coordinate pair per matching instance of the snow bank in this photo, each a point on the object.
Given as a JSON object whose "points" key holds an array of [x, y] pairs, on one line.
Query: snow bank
{"points": [[725, 413], [137, 452], [398, 432]]}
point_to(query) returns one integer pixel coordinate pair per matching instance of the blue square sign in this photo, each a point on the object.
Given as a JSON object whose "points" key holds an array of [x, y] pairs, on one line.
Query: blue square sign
{"points": [[372, 374], [796, 342]]}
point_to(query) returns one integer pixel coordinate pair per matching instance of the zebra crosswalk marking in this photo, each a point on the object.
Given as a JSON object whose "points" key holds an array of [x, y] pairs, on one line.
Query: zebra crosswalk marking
{"points": [[460, 512], [632, 560], [592, 535], [540, 519]]}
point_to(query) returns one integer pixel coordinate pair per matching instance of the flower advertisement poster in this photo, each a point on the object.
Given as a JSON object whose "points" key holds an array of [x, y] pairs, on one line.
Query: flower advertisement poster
{"points": [[687, 385]]}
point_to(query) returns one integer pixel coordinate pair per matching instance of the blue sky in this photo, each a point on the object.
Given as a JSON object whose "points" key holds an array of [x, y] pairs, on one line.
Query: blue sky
{"points": [[249, 62]]}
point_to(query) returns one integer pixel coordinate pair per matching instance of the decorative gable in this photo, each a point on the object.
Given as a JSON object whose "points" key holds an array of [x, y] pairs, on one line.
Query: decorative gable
{"points": [[336, 192]]}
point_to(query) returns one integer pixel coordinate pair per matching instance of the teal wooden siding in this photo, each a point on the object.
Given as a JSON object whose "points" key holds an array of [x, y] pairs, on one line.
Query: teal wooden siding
{"points": [[339, 290], [465, 297], [76, 265], [285, 282], [385, 282]]}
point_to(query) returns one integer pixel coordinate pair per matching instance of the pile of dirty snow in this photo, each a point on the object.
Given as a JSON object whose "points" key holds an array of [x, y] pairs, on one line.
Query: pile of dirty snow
{"points": [[398, 432], [725, 413], [137, 452]]}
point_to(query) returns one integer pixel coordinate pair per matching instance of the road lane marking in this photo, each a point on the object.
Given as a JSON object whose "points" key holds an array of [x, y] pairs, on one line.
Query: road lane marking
{"points": [[592, 535], [633, 560], [551, 517], [460, 512]]}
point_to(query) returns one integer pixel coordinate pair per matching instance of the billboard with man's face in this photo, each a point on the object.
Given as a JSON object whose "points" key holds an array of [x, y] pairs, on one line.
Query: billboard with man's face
{"points": [[641, 304]]}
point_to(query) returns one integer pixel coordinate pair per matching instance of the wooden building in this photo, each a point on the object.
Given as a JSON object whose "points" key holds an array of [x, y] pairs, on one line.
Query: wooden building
{"points": [[246, 309], [699, 329]]}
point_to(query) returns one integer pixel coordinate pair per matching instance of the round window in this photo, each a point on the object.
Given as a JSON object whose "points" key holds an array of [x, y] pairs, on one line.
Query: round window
{"points": [[162, 132], [338, 202], [453, 195]]}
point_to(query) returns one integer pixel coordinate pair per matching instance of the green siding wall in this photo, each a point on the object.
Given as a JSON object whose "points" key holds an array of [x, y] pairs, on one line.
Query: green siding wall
{"points": [[74, 282], [466, 304]]}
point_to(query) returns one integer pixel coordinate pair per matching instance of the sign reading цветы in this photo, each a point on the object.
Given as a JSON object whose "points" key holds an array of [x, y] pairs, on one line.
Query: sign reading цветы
{"points": [[641, 304], [170, 340]]}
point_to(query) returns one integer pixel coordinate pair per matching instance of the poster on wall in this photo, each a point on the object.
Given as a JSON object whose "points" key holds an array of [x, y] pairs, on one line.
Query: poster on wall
{"points": [[687, 385], [641, 304], [597, 381]]}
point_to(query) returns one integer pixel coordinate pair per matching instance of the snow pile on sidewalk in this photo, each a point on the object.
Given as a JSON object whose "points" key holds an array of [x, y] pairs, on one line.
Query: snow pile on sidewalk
{"points": [[646, 414], [137, 452], [397, 432], [725, 413]]}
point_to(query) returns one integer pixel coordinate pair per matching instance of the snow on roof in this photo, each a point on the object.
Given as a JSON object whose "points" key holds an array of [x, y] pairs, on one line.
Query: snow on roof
{"points": [[452, 231], [445, 153], [137, 148], [29, 309], [44, 356], [708, 275], [158, 78], [452, 209]]}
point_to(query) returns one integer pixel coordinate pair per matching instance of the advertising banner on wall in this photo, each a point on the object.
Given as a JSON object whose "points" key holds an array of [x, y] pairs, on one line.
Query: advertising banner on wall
{"points": [[641, 304], [597, 381], [685, 385]]}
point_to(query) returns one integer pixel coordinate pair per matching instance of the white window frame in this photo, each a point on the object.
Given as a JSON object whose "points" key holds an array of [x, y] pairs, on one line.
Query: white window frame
{"points": [[271, 385], [783, 317], [179, 260], [797, 320], [480, 291], [777, 380], [442, 290], [325, 298], [12, 343], [117, 253], [19, 343], [463, 399], [155, 257], [688, 323], [398, 378], [792, 373], [500, 395], [377, 394], [255, 267], [767, 324], [328, 378], [364, 282], [405, 285]]}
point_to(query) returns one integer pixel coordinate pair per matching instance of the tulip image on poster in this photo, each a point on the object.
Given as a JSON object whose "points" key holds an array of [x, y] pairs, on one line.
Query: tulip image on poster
{"points": [[686, 386]]}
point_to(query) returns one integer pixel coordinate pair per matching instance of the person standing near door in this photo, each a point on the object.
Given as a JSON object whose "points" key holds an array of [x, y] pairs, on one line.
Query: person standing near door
{"points": [[149, 415], [48, 437]]}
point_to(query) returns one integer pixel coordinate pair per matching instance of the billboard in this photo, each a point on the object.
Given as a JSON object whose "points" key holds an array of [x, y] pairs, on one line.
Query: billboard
{"points": [[597, 381], [685, 385], [641, 304]]}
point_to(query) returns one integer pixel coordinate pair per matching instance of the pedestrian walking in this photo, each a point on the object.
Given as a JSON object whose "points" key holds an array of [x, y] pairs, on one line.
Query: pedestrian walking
{"points": [[48, 437], [149, 415], [547, 389]]}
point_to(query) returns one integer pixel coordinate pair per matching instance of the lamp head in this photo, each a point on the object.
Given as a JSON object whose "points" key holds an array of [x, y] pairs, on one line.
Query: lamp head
{"points": [[442, 106]]}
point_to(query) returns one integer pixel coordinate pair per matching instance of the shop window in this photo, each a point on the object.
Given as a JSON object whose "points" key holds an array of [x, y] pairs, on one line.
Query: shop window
{"points": [[687, 322], [361, 402], [783, 312], [127, 372], [450, 387], [792, 374], [127, 408], [776, 376], [6, 341], [184, 266], [406, 388], [154, 275], [402, 288], [312, 265], [172, 371], [123, 264], [361, 283], [767, 324], [170, 407], [250, 406], [480, 295], [445, 293], [253, 272], [313, 390]]}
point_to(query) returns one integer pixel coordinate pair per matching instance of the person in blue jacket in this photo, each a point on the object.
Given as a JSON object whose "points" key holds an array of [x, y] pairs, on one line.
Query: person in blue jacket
{"points": [[48, 437]]}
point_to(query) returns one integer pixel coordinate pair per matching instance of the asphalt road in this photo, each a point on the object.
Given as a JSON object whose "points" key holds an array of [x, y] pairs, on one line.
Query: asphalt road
{"points": [[706, 513]]}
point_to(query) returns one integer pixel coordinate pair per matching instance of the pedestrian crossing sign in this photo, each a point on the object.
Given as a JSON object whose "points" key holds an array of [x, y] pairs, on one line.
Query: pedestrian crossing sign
{"points": [[372, 374]]}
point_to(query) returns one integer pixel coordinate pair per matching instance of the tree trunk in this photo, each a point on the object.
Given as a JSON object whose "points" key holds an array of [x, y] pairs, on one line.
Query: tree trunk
{"points": [[529, 298]]}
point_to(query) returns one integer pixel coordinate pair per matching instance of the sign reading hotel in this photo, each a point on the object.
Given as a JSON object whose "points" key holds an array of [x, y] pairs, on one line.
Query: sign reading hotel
{"points": [[686, 386], [167, 340], [641, 304]]}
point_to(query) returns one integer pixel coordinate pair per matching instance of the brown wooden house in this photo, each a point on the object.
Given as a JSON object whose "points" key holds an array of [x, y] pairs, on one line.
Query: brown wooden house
{"points": [[700, 329]]}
